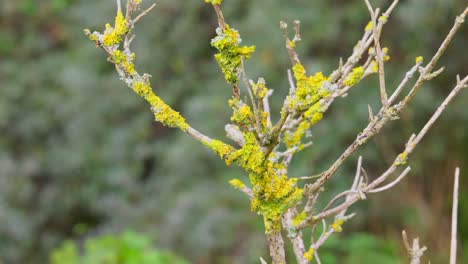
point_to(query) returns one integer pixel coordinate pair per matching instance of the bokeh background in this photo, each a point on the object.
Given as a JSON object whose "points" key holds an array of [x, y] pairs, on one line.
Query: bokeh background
{"points": [[80, 156]]}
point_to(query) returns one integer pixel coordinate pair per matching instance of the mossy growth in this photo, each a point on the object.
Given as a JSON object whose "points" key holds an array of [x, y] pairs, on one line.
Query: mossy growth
{"points": [[162, 112], [114, 35], [230, 52], [354, 77]]}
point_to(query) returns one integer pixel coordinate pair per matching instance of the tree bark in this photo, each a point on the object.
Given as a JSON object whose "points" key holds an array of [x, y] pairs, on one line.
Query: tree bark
{"points": [[276, 246], [295, 236]]}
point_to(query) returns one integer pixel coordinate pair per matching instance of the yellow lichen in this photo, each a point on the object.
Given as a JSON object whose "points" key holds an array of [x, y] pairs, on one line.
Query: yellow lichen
{"points": [[236, 183], [419, 59], [369, 26], [162, 112], [273, 191], [242, 115], [401, 159], [125, 62], [309, 89], [221, 148], [337, 225], [260, 89], [230, 53], [299, 218], [114, 35], [311, 116], [293, 139], [214, 2], [383, 18], [374, 66], [385, 52], [354, 77], [309, 255]]}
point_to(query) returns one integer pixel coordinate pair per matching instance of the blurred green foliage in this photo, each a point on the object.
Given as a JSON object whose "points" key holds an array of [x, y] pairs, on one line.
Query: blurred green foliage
{"points": [[126, 248], [359, 248], [77, 147]]}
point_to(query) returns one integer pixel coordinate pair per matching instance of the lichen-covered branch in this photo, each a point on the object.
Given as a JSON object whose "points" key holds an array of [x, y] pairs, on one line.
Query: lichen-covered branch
{"points": [[387, 114], [266, 147]]}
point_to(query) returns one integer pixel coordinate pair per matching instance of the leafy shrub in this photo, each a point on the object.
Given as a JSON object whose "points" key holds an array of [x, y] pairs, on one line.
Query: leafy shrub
{"points": [[125, 248]]}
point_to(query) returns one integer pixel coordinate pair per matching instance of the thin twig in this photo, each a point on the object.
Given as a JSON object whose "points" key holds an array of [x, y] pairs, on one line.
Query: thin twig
{"points": [[403, 83], [412, 143], [266, 107], [453, 240], [427, 70], [415, 252], [384, 114], [393, 183], [219, 15], [295, 236], [143, 13]]}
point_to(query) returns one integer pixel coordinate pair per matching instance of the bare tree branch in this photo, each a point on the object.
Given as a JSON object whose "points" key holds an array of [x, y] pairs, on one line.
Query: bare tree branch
{"points": [[415, 252], [453, 240]]}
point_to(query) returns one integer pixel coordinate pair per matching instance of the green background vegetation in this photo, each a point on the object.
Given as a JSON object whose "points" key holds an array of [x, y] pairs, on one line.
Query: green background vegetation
{"points": [[80, 156]]}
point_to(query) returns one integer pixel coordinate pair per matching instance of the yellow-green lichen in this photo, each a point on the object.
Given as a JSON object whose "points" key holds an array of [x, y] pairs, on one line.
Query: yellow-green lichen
{"points": [[386, 56], [369, 26], [419, 59], [309, 89], [214, 2], [260, 89], [294, 139], [242, 113], [383, 18], [273, 191], [221, 148], [337, 225], [402, 159], [124, 61], [311, 117], [354, 77], [374, 66], [91, 37], [309, 255], [299, 218], [236, 183], [229, 52], [314, 113], [114, 35], [162, 112]]}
